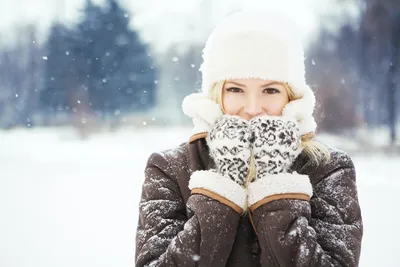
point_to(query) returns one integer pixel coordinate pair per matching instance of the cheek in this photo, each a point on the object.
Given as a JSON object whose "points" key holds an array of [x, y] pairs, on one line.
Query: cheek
{"points": [[232, 103], [275, 105]]}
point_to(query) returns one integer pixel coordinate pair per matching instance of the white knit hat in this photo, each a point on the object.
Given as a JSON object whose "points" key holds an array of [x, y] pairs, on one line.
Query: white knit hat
{"points": [[258, 45]]}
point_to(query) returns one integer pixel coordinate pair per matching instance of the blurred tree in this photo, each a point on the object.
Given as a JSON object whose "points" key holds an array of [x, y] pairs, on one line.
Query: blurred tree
{"points": [[355, 67], [100, 67], [394, 73], [331, 72], [379, 58], [20, 79], [114, 64], [61, 74], [179, 77], [126, 64]]}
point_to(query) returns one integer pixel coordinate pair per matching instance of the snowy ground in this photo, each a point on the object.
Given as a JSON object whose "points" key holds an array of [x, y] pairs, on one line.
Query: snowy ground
{"points": [[65, 202]]}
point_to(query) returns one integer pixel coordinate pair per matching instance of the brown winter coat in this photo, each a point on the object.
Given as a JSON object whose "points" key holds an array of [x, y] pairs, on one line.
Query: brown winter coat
{"points": [[177, 228]]}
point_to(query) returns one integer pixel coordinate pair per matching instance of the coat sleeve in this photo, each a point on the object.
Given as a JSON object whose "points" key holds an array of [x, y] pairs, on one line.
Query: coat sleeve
{"points": [[324, 231], [168, 236]]}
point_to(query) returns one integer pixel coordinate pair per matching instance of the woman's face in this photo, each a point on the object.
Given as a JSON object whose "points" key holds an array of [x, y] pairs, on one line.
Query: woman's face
{"points": [[249, 98]]}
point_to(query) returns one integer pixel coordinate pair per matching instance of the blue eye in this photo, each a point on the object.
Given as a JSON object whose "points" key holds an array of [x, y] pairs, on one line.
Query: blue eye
{"points": [[234, 90], [271, 91]]}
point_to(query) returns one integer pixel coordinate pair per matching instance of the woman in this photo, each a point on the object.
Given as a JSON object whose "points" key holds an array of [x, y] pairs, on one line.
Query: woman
{"points": [[252, 187]]}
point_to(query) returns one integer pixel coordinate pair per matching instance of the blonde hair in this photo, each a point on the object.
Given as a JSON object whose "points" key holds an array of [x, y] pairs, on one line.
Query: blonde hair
{"points": [[316, 151]]}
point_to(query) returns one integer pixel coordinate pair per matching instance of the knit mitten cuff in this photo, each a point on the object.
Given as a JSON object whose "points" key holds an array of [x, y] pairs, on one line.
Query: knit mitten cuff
{"points": [[278, 186], [220, 185]]}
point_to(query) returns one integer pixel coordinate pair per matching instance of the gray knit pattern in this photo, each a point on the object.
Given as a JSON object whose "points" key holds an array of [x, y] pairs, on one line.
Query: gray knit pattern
{"points": [[229, 141], [277, 143]]}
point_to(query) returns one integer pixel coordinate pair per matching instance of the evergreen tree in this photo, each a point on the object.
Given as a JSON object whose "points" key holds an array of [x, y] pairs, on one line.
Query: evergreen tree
{"points": [[102, 66], [115, 65], [60, 72], [89, 38], [20, 78]]}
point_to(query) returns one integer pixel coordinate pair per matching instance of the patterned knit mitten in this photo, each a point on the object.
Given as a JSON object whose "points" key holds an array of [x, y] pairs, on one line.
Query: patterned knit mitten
{"points": [[276, 144], [229, 141]]}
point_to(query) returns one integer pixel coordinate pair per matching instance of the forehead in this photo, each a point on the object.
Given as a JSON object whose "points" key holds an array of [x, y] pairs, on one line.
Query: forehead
{"points": [[251, 82]]}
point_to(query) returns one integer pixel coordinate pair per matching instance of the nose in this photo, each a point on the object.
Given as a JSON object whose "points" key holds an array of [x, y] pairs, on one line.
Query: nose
{"points": [[253, 107]]}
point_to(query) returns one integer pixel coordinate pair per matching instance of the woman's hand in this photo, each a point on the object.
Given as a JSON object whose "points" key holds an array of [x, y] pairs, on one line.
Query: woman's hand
{"points": [[229, 141], [276, 145]]}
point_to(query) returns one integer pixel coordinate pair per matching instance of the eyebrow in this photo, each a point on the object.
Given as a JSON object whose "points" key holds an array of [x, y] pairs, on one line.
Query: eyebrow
{"points": [[242, 85]]}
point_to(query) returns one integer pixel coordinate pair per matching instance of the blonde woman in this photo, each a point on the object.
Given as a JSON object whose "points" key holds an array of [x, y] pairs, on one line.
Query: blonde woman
{"points": [[252, 186]]}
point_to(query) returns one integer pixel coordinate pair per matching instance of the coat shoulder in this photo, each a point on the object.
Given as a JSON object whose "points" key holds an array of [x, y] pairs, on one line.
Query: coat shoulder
{"points": [[338, 160], [170, 160]]}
